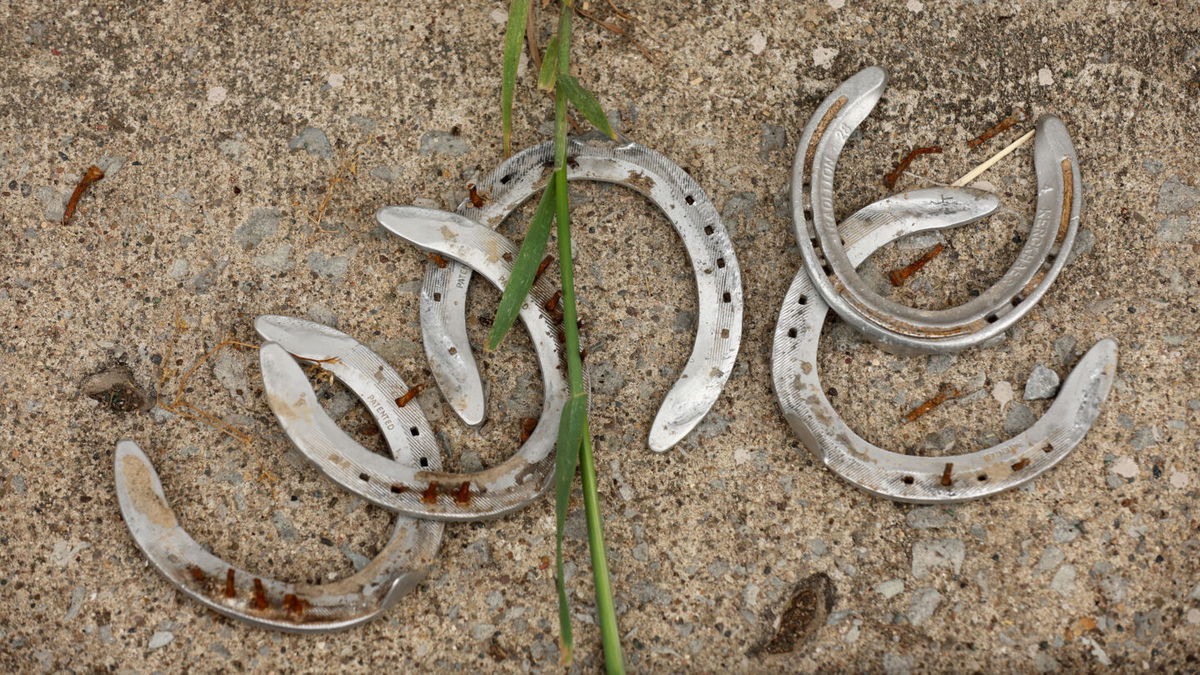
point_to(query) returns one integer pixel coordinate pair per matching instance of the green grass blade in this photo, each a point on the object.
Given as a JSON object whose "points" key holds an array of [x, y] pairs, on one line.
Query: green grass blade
{"points": [[566, 459], [614, 659], [514, 39], [524, 268], [549, 71], [587, 104]]}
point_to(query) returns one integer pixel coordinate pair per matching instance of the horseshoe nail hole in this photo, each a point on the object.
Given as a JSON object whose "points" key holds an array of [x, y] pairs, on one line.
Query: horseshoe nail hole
{"points": [[424, 462], [792, 332], [808, 215], [721, 263], [397, 489], [724, 333], [982, 478], [726, 297], [1048, 449], [453, 351], [506, 178], [992, 318], [908, 480], [827, 269], [364, 477], [690, 200], [414, 431], [708, 229], [437, 297], [803, 300], [1016, 300]]}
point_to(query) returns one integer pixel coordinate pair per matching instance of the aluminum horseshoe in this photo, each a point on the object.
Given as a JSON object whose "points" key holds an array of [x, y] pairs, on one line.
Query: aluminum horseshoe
{"points": [[718, 279], [904, 477], [403, 488], [895, 327], [267, 603]]}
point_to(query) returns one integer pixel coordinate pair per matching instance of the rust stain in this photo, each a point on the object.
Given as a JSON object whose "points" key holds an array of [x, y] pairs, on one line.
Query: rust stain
{"points": [[260, 596], [1068, 198], [139, 483], [437, 260], [542, 268], [819, 132], [462, 496], [527, 426], [477, 199], [197, 574], [230, 591], [430, 495], [1021, 464]]}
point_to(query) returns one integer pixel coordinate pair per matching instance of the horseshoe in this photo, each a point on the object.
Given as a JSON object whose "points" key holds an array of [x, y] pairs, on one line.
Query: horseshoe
{"points": [[906, 478], [907, 330], [260, 601], [594, 157], [408, 490]]}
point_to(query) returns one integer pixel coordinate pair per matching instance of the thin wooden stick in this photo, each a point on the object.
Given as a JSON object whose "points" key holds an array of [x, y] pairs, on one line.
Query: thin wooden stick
{"points": [[977, 171]]}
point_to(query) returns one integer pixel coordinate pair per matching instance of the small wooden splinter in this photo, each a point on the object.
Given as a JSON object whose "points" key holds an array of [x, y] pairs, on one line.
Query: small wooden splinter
{"points": [[900, 275]]}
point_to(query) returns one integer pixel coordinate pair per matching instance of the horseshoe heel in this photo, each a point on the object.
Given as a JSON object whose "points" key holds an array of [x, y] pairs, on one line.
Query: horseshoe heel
{"points": [[903, 477], [718, 277], [260, 601], [408, 490], [896, 327]]}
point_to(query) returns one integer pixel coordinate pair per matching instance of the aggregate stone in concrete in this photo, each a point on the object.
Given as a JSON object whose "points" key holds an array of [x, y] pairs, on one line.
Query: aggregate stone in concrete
{"points": [[203, 114]]}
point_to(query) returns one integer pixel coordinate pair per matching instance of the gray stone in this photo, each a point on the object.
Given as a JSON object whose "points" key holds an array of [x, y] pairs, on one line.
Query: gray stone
{"points": [[928, 518], [1175, 196], [357, 559], [889, 589], [932, 554], [818, 547], [937, 364], [283, 526], [332, 267], [1042, 383], [897, 664], [1115, 588], [363, 124], [774, 138], [77, 596], [160, 639], [740, 205], [495, 599], [1085, 240], [483, 631], [924, 603], [1064, 531], [229, 367], [322, 315], [261, 224], [178, 269], [1064, 349], [110, 165], [1144, 437], [54, 203], [443, 143], [1052, 556], [1148, 624], [313, 141], [278, 260], [1020, 417], [1044, 663], [1175, 230], [684, 321], [383, 173], [1063, 582]]}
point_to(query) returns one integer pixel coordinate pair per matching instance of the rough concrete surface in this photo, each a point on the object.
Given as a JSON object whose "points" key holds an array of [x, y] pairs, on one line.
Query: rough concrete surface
{"points": [[225, 128]]}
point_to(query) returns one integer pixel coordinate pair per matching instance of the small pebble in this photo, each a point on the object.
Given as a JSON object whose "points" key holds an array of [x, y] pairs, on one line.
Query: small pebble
{"points": [[924, 603], [1125, 467], [160, 639], [1020, 417], [313, 141], [889, 589], [443, 143], [1042, 383]]}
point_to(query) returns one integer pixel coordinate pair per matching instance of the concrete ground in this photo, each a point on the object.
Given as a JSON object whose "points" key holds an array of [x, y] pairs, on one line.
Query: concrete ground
{"points": [[229, 129]]}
